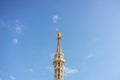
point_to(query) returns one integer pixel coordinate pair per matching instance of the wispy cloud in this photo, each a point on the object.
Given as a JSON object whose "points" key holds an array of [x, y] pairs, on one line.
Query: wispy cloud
{"points": [[11, 77], [50, 68], [17, 31], [15, 41], [89, 56], [52, 55], [30, 70], [55, 18], [69, 71], [86, 58], [18, 27], [57, 29]]}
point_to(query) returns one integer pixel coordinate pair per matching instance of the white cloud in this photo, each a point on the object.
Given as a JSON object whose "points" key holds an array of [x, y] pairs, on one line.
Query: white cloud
{"points": [[11, 77], [18, 27], [57, 29], [70, 71], [17, 31], [52, 55], [55, 18], [50, 68], [15, 41], [89, 56], [30, 70]]}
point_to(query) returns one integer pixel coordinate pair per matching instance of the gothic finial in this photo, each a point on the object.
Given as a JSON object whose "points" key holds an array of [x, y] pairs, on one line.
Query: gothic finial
{"points": [[59, 35]]}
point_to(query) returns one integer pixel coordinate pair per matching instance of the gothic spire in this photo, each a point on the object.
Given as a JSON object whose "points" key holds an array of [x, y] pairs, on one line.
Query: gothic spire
{"points": [[59, 61], [59, 46]]}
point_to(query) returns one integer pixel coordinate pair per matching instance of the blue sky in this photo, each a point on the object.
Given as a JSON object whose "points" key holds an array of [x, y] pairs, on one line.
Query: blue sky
{"points": [[90, 39]]}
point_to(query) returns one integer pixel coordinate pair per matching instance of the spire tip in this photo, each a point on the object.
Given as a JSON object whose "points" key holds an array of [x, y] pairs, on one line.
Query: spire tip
{"points": [[59, 35]]}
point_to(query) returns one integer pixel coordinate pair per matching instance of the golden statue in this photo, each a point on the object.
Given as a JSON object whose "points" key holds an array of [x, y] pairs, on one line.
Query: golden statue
{"points": [[59, 35]]}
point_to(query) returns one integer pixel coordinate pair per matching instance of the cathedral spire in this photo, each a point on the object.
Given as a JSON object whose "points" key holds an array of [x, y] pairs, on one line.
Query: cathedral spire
{"points": [[59, 61], [59, 47]]}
